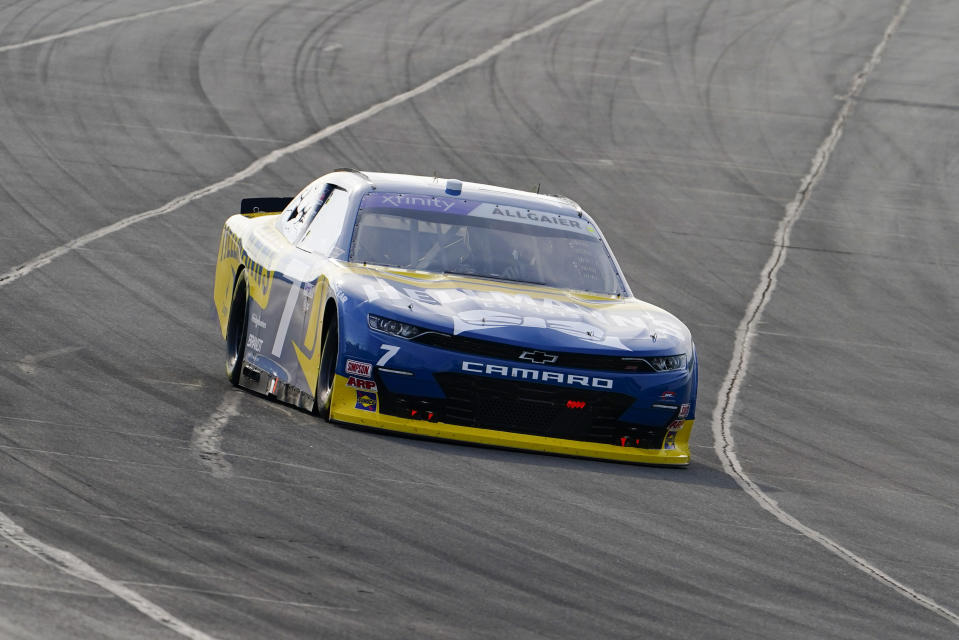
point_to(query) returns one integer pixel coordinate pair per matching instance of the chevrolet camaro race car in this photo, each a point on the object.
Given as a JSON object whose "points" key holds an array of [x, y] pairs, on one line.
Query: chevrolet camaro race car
{"points": [[452, 310]]}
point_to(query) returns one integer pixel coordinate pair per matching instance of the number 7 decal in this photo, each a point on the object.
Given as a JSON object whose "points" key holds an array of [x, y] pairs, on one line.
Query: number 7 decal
{"points": [[390, 352]]}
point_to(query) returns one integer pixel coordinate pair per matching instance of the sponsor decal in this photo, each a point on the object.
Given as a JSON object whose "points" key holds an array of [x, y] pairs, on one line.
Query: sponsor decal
{"points": [[420, 203], [519, 215], [675, 426], [667, 396], [309, 289], [475, 208], [255, 319], [253, 342], [420, 295], [538, 217], [366, 400], [259, 277], [361, 383], [683, 410], [479, 310], [356, 368], [519, 373], [538, 357], [670, 442]]}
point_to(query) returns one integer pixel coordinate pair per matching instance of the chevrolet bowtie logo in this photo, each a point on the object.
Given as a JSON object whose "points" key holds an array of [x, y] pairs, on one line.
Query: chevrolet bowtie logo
{"points": [[538, 357]]}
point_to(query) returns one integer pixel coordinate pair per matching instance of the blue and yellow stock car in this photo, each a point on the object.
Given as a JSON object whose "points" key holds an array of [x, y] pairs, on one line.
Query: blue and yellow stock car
{"points": [[452, 310]]}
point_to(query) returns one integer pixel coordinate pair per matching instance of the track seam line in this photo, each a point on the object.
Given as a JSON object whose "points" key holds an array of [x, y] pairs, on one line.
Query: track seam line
{"points": [[278, 154], [99, 25], [724, 444]]}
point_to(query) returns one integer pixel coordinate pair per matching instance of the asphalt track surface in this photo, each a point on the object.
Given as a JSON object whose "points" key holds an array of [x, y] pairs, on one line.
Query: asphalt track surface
{"points": [[129, 466]]}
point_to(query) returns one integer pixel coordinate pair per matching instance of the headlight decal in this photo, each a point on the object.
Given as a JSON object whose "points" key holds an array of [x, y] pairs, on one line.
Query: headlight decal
{"points": [[660, 364], [667, 363], [394, 327]]}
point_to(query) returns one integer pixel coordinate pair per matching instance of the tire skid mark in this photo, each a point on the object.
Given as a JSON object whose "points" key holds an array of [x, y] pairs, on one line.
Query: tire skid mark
{"points": [[445, 151], [240, 596], [276, 155], [306, 68], [207, 436], [28, 365], [722, 420], [100, 25]]}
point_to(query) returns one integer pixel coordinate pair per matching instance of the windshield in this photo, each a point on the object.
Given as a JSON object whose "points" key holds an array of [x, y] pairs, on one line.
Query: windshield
{"points": [[447, 235]]}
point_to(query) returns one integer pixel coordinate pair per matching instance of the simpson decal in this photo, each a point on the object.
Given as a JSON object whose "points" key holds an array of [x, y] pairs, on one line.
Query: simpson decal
{"points": [[356, 368]]}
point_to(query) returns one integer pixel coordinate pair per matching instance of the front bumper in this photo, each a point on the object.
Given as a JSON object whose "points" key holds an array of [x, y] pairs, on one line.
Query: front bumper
{"points": [[353, 406]]}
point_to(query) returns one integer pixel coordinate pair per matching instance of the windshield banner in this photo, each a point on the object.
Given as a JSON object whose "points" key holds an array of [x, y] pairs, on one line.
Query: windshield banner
{"points": [[477, 209]]}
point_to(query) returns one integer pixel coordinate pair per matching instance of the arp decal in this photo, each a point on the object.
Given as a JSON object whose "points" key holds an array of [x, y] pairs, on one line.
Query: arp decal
{"points": [[667, 396], [361, 383], [357, 368], [366, 400]]}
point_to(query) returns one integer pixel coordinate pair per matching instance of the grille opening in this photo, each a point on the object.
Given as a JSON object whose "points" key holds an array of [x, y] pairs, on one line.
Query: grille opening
{"points": [[530, 408]]}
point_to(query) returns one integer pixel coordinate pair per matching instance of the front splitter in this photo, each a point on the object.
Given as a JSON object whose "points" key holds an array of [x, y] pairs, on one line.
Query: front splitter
{"points": [[349, 407]]}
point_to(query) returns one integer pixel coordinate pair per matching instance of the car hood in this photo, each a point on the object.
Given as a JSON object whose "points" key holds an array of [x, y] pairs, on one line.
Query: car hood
{"points": [[517, 313]]}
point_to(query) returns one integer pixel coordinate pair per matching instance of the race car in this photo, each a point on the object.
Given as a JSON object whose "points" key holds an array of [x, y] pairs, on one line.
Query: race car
{"points": [[452, 310]]}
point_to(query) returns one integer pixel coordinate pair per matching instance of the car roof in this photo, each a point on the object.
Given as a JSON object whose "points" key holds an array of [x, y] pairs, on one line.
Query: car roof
{"points": [[434, 186]]}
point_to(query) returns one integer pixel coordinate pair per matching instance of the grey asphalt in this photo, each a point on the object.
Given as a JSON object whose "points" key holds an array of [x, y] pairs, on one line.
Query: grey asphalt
{"points": [[684, 127]]}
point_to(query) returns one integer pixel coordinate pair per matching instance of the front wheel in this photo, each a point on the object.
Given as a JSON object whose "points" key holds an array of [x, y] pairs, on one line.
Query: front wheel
{"points": [[327, 373], [236, 330]]}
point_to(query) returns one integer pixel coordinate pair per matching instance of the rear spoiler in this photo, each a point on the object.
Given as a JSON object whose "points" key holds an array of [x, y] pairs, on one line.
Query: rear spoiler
{"points": [[253, 207]]}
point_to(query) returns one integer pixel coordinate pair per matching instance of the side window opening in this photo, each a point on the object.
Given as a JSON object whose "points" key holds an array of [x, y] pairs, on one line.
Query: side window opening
{"points": [[290, 212], [325, 224], [303, 209]]}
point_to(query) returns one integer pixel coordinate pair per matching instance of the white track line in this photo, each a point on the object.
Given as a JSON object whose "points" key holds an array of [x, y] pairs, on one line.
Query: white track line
{"points": [[258, 165], [69, 563], [746, 332], [99, 25], [208, 435]]}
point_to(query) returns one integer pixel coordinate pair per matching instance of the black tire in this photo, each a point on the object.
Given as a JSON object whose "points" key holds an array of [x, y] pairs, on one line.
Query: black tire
{"points": [[327, 373], [236, 326]]}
